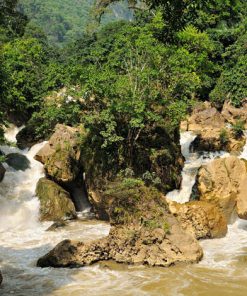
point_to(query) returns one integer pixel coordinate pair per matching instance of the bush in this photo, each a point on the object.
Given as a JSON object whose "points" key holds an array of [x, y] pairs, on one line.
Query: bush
{"points": [[238, 128], [224, 137]]}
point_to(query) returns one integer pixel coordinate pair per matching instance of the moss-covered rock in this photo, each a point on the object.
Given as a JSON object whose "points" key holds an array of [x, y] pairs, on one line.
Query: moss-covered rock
{"points": [[143, 232], [61, 156], [55, 202]]}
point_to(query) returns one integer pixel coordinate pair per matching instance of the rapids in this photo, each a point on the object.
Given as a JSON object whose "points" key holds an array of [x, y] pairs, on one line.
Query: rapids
{"points": [[23, 240]]}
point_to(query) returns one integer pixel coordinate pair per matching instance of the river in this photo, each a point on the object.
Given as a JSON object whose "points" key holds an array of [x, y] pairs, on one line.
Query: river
{"points": [[23, 239]]}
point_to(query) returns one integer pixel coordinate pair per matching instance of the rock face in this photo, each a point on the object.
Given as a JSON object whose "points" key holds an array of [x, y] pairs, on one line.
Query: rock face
{"points": [[231, 114], [201, 219], [131, 245], [212, 128], [62, 161], [223, 182], [61, 155], [143, 232], [55, 202], [2, 172]]}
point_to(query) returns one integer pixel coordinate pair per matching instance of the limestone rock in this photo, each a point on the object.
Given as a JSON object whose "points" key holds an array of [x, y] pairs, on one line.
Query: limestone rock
{"points": [[223, 182], [205, 116], [201, 219], [210, 140], [208, 123], [143, 232], [232, 114], [129, 244], [55, 202], [2, 172], [61, 155]]}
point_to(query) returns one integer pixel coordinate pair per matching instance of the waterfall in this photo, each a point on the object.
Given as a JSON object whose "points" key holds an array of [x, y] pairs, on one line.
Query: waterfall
{"points": [[17, 190], [193, 162]]}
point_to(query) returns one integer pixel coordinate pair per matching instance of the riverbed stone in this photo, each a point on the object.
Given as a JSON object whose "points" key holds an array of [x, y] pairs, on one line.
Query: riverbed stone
{"points": [[55, 202], [18, 161]]}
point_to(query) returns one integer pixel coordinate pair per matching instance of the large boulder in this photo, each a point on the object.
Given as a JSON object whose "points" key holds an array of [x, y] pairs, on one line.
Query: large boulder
{"points": [[26, 137], [143, 232], [201, 219], [130, 244], [61, 156], [2, 172], [232, 114], [205, 116], [212, 130], [18, 161], [55, 202], [223, 182]]}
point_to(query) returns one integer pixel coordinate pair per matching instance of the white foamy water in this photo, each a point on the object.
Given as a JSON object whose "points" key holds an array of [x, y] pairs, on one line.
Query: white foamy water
{"points": [[23, 240], [193, 162]]}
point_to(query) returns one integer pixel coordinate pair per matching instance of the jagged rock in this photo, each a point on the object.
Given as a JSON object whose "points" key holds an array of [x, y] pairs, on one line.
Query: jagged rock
{"points": [[18, 161], [2, 172], [205, 116], [61, 156], [62, 161], [144, 232], [56, 225], [130, 244], [223, 182], [232, 114], [55, 202], [210, 140], [209, 125], [201, 219]]}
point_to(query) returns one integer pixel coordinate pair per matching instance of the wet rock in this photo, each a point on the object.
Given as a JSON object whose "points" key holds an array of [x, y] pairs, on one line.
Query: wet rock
{"points": [[131, 245], [201, 219], [143, 232], [61, 156], [18, 161], [223, 182], [26, 137], [2, 172], [57, 225], [55, 202]]}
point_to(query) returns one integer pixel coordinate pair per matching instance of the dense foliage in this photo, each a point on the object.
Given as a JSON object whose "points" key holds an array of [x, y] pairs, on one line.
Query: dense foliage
{"points": [[65, 20], [128, 83]]}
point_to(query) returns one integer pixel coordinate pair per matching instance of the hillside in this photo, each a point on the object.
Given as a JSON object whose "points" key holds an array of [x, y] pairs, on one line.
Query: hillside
{"points": [[66, 20]]}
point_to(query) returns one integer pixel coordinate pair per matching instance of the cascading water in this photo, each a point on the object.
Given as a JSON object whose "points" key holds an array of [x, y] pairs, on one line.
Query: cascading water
{"points": [[193, 161], [23, 240]]}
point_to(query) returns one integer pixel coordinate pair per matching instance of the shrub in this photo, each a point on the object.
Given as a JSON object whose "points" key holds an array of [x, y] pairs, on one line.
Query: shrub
{"points": [[224, 137], [238, 128]]}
